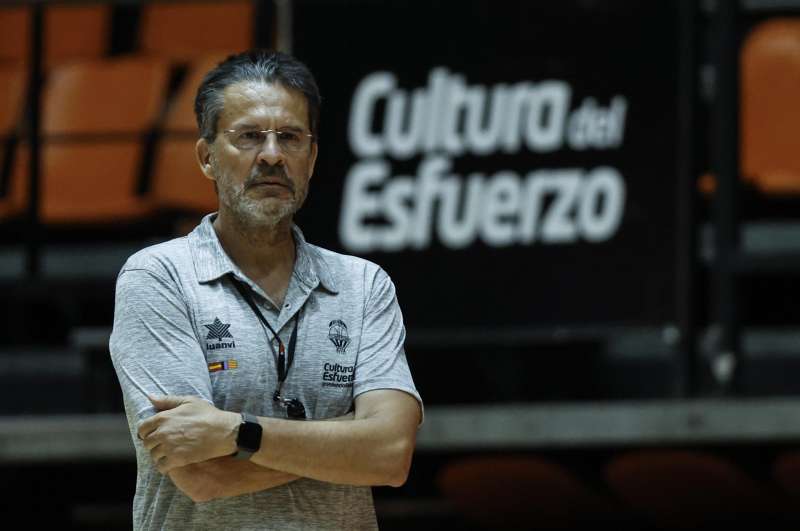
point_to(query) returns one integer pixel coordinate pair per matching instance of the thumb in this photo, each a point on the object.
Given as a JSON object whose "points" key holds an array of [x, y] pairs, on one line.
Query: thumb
{"points": [[167, 402]]}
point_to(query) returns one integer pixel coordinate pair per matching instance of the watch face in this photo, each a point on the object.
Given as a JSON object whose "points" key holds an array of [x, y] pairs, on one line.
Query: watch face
{"points": [[249, 437]]}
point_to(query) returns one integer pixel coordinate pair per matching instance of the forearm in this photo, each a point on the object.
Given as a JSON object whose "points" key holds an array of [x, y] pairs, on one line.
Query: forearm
{"points": [[368, 451], [373, 449], [225, 477]]}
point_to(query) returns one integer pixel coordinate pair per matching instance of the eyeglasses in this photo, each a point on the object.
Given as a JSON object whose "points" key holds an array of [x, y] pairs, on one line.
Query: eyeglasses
{"points": [[288, 141]]}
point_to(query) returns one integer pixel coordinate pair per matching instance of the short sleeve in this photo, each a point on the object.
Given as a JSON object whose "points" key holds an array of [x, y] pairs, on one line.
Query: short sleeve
{"points": [[153, 346], [382, 360]]}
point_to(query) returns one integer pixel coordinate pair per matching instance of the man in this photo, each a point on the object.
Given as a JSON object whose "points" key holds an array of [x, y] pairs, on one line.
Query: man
{"points": [[264, 378]]}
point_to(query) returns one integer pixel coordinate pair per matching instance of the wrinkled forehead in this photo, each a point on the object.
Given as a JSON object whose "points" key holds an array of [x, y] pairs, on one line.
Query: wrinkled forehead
{"points": [[266, 105]]}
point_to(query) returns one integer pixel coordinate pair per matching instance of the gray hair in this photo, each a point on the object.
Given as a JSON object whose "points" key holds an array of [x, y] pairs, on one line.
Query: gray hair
{"points": [[253, 65]]}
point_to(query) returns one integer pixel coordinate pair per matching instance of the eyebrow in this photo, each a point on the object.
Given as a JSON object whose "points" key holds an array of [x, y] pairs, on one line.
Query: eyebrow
{"points": [[292, 128], [244, 126]]}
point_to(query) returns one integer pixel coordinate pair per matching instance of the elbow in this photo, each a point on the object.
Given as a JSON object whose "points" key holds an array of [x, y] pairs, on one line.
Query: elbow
{"points": [[198, 495], [400, 465], [204, 495], [196, 490], [398, 479]]}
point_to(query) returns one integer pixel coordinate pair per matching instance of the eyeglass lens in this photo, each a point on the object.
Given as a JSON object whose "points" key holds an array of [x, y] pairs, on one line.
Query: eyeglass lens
{"points": [[287, 140]]}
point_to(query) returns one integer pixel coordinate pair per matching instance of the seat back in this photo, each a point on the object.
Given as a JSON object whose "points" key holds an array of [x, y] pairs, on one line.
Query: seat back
{"points": [[178, 182], [14, 33], [786, 472], [684, 489], [180, 117], [183, 30], [120, 96], [12, 97], [520, 492], [770, 106], [71, 32], [14, 197], [95, 117]]}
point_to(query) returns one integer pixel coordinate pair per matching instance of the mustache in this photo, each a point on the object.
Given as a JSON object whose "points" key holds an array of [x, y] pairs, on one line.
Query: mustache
{"points": [[269, 174]]}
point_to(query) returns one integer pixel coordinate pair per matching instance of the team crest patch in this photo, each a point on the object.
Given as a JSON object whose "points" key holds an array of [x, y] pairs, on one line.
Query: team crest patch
{"points": [[224, 365], [337, 333]]}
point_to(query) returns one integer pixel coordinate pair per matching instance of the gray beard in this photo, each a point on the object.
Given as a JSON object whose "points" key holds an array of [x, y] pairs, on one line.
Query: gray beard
{"points": [[255, 214]]}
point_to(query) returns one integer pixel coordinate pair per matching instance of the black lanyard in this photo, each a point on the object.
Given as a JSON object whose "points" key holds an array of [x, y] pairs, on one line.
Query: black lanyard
{"points": [[281, 362]]}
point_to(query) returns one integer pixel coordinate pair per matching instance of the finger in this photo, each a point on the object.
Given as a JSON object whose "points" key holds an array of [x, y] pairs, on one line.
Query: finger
{"points": [[168, 462], [147, 427], [162, 403], [151, 441], [157, 453], [162, 464]]}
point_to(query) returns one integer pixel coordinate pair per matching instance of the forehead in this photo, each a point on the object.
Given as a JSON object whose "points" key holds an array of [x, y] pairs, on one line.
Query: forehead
{"points": [[262, 104]]}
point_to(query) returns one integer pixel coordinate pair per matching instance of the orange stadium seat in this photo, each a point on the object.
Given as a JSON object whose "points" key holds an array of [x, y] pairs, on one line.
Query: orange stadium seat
{"points": [[180, 115], [71, 32], [14, 202], [770, 108], [14, 33], [770, 111], [681, 489], [183, 30], [520, 492], [786, 471], [178, 182], [12, 99], [94, 119]]}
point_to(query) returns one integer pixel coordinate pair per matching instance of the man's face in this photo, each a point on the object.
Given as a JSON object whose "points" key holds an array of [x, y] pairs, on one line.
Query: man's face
{"points": [[264, 185]]}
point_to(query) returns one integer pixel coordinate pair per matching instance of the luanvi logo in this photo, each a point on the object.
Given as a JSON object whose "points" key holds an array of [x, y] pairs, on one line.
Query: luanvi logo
{"points": [[219, 330]]}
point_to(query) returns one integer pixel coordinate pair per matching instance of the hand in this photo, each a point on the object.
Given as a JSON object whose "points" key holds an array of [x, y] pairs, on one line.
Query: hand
{"points": [[187, 430]]}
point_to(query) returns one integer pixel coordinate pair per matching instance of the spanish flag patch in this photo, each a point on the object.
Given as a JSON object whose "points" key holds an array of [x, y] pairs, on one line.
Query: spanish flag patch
{"points": [[214, 366]]}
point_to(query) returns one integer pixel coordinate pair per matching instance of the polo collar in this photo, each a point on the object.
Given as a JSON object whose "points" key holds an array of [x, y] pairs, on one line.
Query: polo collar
{"points": [[211, 262]]}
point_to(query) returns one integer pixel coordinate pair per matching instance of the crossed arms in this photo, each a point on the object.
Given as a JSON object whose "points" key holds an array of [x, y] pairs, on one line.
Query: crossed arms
{"points": [[191, 441]]}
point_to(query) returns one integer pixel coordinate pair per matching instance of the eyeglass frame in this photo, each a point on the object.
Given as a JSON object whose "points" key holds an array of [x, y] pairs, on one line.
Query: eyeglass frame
{"points": [[266, 132]]}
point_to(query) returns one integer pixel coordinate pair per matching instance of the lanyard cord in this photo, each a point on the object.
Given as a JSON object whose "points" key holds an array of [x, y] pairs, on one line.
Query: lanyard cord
{"points": [[281, 362]]}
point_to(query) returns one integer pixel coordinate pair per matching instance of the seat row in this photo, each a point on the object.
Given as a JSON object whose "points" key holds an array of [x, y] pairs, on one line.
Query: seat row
{"points": [[175, 30], [668, 488], [115, 143]]}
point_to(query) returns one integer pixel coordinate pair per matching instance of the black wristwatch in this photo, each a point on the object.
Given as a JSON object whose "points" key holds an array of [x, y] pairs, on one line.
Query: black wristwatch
{"points": [[248, 440]]}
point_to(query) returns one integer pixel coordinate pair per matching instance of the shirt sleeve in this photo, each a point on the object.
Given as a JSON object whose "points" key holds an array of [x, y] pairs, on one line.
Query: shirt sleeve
{"points": [[382, 360], [153, 346]]}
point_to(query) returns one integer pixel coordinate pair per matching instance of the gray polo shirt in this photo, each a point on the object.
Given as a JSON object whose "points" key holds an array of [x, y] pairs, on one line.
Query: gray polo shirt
{"points": [[182, 328]]}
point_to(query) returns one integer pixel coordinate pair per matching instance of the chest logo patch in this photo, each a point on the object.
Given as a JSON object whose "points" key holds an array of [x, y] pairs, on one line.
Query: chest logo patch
{"points": [[219, 331], [337, 333]]}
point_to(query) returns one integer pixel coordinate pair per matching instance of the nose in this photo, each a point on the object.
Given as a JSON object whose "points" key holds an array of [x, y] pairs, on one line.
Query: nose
{"points": [[270, 151]]}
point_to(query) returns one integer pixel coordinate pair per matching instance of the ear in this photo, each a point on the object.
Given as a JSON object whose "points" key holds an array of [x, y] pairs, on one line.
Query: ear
{"points": [[203, 153], [312, 158]]}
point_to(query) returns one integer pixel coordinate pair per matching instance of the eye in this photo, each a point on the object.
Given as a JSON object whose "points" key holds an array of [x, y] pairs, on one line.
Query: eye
{"points": [[249, 135], [288, 136]]}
